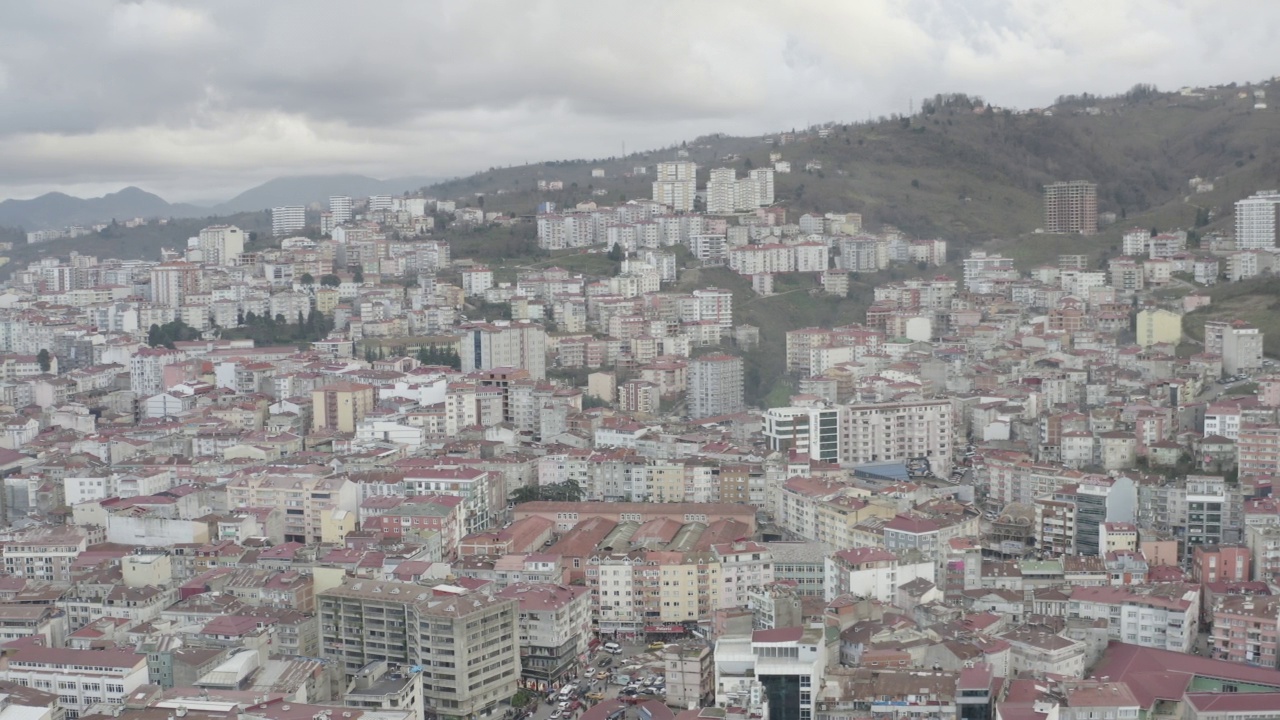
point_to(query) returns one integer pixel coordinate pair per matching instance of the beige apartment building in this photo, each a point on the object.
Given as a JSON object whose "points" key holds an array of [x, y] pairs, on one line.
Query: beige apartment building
{"points": [[341, 406], [466, 644]]}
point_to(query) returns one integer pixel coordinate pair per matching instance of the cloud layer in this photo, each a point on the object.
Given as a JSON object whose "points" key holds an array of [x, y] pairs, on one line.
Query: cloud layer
{"points": [[195, 99]]}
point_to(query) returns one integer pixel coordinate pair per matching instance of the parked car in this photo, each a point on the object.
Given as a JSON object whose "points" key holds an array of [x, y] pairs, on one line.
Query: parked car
{"points": [[657, 645]]}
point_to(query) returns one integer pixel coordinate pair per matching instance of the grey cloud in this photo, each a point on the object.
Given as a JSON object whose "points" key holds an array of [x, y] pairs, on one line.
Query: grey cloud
{"points": [[188, 96]]}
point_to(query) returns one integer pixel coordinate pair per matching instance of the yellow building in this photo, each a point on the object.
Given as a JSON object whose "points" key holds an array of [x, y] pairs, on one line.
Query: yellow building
{"points": [[690, 586], [335, 525], [326, 300], [837, 517], [665, 483], [1158, 326], [341, 405]]}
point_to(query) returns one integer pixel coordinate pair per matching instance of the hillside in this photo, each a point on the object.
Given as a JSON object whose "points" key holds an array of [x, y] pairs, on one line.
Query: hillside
{"points": [[969, 177], [309, 189], [56, 210], [143, 242]]}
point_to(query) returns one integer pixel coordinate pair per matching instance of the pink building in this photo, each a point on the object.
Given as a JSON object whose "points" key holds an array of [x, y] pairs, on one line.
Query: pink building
{"points": [[1220, 563]]}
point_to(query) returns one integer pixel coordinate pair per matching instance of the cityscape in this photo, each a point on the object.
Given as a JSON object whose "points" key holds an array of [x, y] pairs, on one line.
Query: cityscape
{"points": [[719, 430]]}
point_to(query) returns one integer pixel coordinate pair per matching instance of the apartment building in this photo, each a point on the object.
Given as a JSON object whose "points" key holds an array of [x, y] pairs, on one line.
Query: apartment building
{"points": [[874, 573], [554, 626], [1164, 615], [1220, 563], [341, 406], [221, 244], [715, 386], [340, 207], [466, 644], [288, 219], [690, 674], [1246, 629], [676, 185], [504, 344], [306, 501], [812, 431], [173, 281], [900, 431], [47, 553], [1263, 542], [1257, 218], [790, 662], [1239, 343], [1071, 207], [639, 590], [80, 678], [744, 565]]}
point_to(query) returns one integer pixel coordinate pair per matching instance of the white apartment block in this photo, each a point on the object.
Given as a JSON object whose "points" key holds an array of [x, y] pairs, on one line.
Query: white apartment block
{"points": [[743, 565], [80, 678], [221, 244], [721, 191], [485, 346], [1164, 616], [1256, 220], [340, 209], [812, 431], [287, 219], [715, 386], [676, 185], [900, 431]]}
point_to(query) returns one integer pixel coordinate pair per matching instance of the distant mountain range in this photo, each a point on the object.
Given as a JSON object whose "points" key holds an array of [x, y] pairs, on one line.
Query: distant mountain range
{"points": [[56, 210], [307, 189]]}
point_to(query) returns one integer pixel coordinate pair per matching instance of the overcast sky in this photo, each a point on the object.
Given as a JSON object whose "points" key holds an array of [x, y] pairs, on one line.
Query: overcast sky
{"points": [[204, 99]]}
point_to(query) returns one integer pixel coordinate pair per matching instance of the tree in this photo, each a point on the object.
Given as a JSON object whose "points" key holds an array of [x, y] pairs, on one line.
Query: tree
{"points": [[45, 360], [567, 491], [330, 281], [357, 274], [307, 279], [616, 253]]}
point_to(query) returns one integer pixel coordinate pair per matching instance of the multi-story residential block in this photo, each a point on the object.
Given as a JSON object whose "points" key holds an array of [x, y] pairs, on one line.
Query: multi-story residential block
{"points": [[80, 678], [47, 553], [340, 207], [715, 385], [1071, 207], [555, 627], [1263, 542], [689, 671], [791, 664], [911, 431], [221, 244], [1220, 563], [308, 501], [676, 185], [341, 406], [874, 573], [1158, 326], [743, 565], [467, 645], [504, 344], [172, 282], [1246, 629], [1165, 615], [1257, 218], [288, 219], [1238, 342], [812, 431]]}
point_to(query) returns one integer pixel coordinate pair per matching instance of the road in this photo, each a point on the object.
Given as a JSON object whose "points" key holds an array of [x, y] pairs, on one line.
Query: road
{"points": [[633, 653]]}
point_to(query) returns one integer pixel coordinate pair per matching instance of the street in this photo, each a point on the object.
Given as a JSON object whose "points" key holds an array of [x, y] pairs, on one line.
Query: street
{"points": [[636, 660]]}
